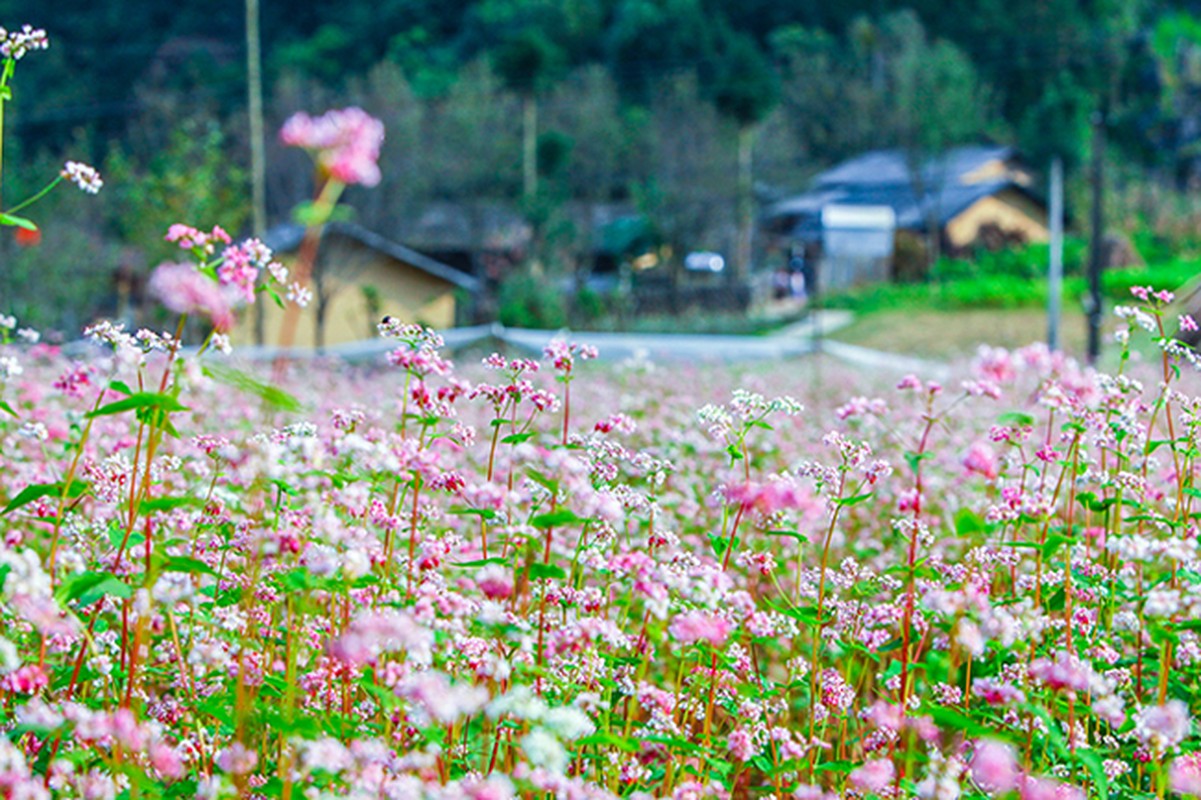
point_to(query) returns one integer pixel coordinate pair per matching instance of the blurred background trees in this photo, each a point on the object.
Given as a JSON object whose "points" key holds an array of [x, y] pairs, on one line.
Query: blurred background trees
{"points": [[683, 110]]}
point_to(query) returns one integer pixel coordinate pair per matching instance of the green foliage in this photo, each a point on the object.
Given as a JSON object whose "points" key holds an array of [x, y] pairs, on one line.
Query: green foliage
{"points": [[59, 284], [1013, 278], [1170, 275], [588, 306], [528, 61], [744, 86], [631, 94], [319, 55], [1029, 261], [192, 180], [529, 301]]}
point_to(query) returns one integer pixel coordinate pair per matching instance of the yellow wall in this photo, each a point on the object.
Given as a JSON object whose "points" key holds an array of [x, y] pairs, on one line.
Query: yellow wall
{"points": [[1010, 210], [405, 292]]}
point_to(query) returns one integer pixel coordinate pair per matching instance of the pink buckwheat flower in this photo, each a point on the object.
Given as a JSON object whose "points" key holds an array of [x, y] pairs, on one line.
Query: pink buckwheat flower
{"points": [[994, 767], [741, 745], [240, 267], [346, 143], [875, 776], [1046, 789], [1185, 775], [982, 460], [1065, 672], [189, 238], [697, 626], [236, 759], [185, 291], [1162, 727]]}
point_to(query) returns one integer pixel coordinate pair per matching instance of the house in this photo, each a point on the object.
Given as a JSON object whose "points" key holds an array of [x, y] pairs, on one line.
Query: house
{"points": [[360, 277], [972, 196]]}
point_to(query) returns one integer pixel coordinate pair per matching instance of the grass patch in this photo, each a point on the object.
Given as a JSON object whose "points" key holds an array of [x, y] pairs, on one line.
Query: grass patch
{"points": [[1009, 291]]}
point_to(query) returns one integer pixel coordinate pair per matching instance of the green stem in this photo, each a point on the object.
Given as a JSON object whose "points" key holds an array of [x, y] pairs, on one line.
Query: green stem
{"points": [[45, 189], [3, 92]]}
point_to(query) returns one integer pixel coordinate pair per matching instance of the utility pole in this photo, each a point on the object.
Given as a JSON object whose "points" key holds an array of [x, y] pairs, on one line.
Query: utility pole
{"points": [[258, 162], [1097, 178], [1055, 284]]}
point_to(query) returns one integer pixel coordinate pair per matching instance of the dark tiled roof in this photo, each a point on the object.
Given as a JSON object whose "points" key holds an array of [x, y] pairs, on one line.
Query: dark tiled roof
{"points": [[881, 178], [878, 167], [287, 237], [945, 203]]}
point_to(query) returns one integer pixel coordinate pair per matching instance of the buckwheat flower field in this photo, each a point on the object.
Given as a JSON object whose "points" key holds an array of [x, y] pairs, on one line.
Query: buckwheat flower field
{"points": [[557, 577]]}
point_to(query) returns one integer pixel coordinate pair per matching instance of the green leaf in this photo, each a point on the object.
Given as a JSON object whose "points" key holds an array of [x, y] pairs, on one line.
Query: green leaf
{"points": [[88, 587], [187, 564], [40, 490], [719, 544], [1090, 501], [609, 740], [954, 720], [482, 513], [914, 460], [295, 580], [968, 522], [518, 438], [547, 571], [284, 487], [18, 222], [1096, 768], [563, 516], [168, 504], [683, 745], [855, 500], [236, 379], [806, 614], [139, 400], [6, 408], [1054, 542], [482, 562], [1016, 419], [550, 484], [310, 214]]}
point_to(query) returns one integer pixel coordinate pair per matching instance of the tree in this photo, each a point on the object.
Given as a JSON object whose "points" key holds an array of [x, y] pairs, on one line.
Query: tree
{"points": [[686, 181], [526, 63], [935, 100], [650, 41], [191, 180], [744, 88], [827, 98]]}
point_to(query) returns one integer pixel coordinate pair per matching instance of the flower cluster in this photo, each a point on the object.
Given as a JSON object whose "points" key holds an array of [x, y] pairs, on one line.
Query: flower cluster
{"points": [[215, 587], [345, 142], [15, 44], [83, 176]]}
